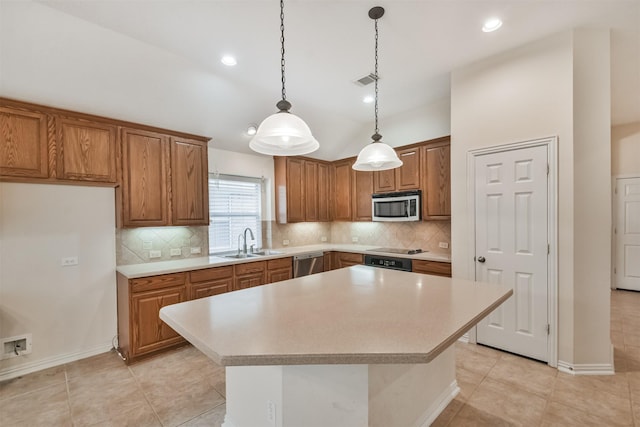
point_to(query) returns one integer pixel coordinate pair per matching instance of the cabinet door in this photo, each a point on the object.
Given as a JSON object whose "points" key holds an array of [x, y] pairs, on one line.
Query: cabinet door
{"points": [[23, 143], [384, 181], [437, 200], [346, 259], [189, 183], [324, 195], [408, 175], [149, 333], [248, 281], [279, 275], [310, 194], [144, 178], [86, 150], [431, 267], [328, 261], [361, 195], [295, 190], [342, 191]]}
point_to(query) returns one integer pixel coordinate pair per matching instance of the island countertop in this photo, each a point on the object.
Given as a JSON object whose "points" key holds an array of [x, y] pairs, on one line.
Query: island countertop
{"points": [[355, 315]]}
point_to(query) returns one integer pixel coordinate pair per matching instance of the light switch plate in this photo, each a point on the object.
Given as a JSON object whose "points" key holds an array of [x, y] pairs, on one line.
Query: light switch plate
{"points": [[155, 254], [354, 239], [176, 251], [443, 245], [195, 251], [147, 245], [285, 242], [69, 261], [323, 238]]}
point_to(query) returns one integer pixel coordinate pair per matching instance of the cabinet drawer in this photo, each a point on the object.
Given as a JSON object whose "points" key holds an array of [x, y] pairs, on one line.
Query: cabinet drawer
{"points": [[157, 282], [432, 267], [279, 263], [210, 274], [349, 257], [250, 267]]}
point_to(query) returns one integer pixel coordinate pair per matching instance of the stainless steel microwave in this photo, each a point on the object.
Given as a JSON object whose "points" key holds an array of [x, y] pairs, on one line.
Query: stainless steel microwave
{"points": [[401, 206]]}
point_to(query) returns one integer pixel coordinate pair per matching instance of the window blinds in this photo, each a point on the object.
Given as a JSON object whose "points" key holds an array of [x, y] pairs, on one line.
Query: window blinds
{"points": [[234, 204]]}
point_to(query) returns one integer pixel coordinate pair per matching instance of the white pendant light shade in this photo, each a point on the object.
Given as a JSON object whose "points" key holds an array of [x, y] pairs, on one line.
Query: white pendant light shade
{"points": [[283, 134], [377, 156]]}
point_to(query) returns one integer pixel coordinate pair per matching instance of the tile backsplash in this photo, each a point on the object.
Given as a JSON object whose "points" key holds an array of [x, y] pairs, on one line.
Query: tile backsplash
{"points": [[133, 245]]}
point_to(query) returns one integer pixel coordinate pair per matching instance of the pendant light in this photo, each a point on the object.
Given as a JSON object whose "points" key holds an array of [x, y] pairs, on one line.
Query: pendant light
{"points": [[377, 155], [283, 133]]}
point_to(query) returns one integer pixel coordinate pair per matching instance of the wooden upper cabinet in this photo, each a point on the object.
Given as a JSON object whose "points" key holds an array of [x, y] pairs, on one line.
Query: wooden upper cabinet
{"points": [[342, 190], [145, 158], [406, 177], [384, 181], [310, 194], [324, 192], [86, 151], [302, 189], [436, 195], [189, 178], [23, 143], [362, 188]]}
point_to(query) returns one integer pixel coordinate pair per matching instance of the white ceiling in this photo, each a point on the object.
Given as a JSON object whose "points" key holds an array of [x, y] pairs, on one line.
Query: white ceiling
{"points": [[329, 44]]}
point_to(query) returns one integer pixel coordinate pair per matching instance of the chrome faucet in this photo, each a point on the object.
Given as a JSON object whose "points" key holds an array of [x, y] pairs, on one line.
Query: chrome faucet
{"points": [[244, 237]]}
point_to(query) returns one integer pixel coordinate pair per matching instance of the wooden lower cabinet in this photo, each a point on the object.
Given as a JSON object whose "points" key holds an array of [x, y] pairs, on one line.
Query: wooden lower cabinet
{"points": [[249, 275], [210, 281], [140, 330], [346, 259], [431, 267], [279, 269]]}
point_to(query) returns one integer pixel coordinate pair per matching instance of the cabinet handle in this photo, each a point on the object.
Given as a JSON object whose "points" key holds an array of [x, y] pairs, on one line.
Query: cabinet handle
{"points": [[408, 154]]}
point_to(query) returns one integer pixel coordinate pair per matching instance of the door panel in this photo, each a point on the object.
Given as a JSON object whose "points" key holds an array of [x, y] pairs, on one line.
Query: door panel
{"points": [[628, 233], [511, 247]]}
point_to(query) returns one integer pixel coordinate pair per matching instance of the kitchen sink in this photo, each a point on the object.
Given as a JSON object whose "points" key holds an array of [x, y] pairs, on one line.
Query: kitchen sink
{"points": [[253, 254]]}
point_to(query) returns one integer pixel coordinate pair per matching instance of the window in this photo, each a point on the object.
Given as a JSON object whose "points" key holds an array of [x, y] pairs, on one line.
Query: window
{"points": [[234, 204]]}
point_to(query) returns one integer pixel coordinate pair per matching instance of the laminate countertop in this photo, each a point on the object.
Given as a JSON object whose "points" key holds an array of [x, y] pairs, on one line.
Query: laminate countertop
{"points": [[134, 271], [355, 315]]}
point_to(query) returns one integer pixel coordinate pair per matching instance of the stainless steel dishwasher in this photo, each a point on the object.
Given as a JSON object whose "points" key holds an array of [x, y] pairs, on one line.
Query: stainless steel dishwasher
{"points": [[306, 264]]}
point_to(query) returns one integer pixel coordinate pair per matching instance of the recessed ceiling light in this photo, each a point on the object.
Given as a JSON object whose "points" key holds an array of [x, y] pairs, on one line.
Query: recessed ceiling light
{"points": [[229, 60], [367, 99], [491, 24], [252, 129]]}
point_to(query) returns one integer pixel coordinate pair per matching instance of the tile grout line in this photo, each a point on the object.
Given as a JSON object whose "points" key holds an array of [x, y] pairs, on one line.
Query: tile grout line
{"points": [[145, 395], [66, 386]]}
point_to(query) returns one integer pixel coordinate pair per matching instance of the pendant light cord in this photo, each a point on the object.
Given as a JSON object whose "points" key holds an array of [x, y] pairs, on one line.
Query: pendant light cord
{"points": [[284, 93], [376, 77]]}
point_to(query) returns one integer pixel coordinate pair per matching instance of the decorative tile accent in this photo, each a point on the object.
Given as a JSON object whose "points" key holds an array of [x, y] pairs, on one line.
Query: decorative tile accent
{"points": [[130, 243]]}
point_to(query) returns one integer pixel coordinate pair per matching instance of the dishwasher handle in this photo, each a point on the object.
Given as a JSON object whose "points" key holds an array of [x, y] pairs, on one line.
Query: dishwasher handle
{"points": [[309, 255]]}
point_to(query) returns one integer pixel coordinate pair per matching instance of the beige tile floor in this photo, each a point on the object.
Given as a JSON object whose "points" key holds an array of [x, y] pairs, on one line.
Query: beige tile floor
{"points": [[184, 388]]}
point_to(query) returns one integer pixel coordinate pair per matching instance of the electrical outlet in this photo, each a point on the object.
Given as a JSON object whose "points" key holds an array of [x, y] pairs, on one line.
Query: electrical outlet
{"points": [[443, 245], [354, 239], [15, 346], [285, 242], [323, 238], [195, 251], [155, 254], [69, 261], [147, 245], [176, 252], [271, 413]]}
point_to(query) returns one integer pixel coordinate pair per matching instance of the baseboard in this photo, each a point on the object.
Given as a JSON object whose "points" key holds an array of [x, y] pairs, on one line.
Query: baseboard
{"points": [[38, 365], [464, 338], [586, 368], [447, 395]]}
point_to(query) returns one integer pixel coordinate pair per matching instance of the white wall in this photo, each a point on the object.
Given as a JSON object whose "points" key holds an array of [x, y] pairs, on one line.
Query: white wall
{"points": [[625, 149], [532, 92], [71, 311], [424, 123]]}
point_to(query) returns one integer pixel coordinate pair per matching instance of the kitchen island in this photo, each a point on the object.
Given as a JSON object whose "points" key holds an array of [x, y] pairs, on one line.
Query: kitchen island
{"points": [[358, 346]]}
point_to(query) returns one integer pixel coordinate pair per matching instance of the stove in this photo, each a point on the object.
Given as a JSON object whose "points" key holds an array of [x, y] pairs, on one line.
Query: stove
{"points": [[398, 251]]}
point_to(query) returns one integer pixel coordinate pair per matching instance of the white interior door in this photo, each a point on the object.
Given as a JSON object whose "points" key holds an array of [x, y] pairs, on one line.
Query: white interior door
{"points": [[627, 233], [511, 220]]}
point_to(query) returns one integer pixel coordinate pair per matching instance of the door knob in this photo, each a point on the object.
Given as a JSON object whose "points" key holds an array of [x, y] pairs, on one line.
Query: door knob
{"points": [[481, 259]]}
